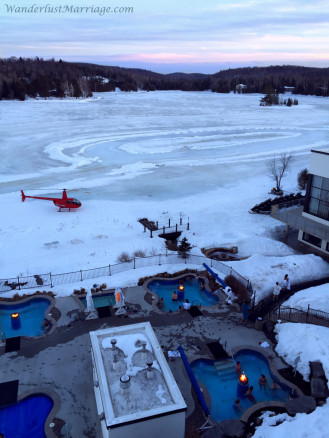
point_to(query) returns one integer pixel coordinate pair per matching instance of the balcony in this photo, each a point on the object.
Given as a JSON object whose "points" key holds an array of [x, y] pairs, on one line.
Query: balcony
{"points": [[293, 217]]}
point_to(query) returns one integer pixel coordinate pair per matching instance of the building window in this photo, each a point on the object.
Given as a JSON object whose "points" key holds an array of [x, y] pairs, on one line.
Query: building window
{"points": [[318, 204], [313, 240]]}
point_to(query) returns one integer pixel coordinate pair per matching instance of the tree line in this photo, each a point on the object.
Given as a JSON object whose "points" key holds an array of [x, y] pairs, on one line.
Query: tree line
{"points": [[26, 77]]}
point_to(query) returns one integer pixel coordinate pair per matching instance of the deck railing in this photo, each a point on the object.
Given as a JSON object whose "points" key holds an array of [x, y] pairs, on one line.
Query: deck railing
{"points": [[289, 314]]}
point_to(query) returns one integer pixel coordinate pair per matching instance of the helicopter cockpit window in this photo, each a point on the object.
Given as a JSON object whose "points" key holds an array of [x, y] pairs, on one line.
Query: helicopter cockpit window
{"points": [[76, 201]]}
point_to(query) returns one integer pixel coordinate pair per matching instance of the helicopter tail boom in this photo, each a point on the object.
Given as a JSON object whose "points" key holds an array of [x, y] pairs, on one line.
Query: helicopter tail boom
{"points": [[23, 196]]}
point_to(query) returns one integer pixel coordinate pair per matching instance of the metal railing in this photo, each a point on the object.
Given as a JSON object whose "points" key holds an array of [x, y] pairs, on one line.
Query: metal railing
{"points": [[50, 280], [289, 314]]}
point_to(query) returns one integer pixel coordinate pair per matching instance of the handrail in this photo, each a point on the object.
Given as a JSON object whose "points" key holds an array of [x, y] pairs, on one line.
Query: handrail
{"points": [[40, 281], [194, 382]]}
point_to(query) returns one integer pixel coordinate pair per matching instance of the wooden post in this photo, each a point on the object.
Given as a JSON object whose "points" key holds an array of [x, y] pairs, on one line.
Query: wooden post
{"points": [[169, 223], [164, 229], [151, 234], [51, 281], [110, 270], [134, 262], [157, 225], [180, 221], [159, 259], [19, 286], [188, 224], [81, 274], [308, 309]]}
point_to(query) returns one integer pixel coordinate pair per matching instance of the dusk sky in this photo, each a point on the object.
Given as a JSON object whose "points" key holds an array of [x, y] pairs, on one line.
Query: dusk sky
{"points": [[172, 35]]}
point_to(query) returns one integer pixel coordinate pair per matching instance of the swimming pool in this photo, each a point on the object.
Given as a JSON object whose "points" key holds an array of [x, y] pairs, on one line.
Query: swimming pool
{"points": [[26, 418], [221, 381], [31, 315], [192, 291], [101, 301]]}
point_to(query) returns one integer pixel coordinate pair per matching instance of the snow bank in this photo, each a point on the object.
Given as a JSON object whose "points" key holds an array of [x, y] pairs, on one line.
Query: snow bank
{"points": [[310, 343], [314, 425], [316, 297], [265, 271]]}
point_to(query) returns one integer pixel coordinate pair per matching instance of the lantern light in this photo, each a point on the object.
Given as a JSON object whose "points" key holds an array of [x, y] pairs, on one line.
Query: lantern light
{"points": [[15, 321], [181, 287], [243, 379]]}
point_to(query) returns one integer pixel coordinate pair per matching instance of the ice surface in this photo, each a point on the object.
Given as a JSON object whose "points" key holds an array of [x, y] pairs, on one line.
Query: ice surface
{"points": [[159, 155]]}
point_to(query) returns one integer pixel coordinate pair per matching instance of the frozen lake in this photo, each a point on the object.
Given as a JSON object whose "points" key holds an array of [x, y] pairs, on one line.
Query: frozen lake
{"points": [[158, 155], [161, 145]]}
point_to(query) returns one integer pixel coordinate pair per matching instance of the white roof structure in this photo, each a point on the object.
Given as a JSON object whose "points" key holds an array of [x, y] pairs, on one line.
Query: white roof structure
{"points": [[134, 379]]}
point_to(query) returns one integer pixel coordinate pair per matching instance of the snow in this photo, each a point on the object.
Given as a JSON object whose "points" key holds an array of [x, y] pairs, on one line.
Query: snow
{"points": [[310, 343], [301, 426], [316, 297], [161, 155], [264, 271]]}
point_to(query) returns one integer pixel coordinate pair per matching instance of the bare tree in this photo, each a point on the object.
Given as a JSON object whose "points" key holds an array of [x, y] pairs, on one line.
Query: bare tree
{"points": [[278, 166]]}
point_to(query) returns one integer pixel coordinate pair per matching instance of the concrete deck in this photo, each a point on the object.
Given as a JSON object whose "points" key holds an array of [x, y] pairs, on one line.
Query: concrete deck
{"points": [[61, 361]]}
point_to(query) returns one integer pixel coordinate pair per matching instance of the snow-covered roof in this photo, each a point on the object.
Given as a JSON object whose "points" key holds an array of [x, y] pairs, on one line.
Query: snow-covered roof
{"points": [[135, 380]]}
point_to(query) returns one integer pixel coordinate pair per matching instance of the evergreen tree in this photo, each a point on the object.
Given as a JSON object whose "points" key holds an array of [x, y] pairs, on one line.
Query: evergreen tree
{"points": [[302, 178], [76, 89], [271, 98], [184, 248]]}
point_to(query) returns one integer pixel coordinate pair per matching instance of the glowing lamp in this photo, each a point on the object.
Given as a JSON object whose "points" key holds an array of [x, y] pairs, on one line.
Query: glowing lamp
{"points": [[15, 321], [181, 287], [243, 385], [243, 379]]}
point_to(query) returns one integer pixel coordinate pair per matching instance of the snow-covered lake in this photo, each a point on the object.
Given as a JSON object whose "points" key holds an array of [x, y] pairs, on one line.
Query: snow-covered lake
{"points": [[162, 145], [155, 155]]}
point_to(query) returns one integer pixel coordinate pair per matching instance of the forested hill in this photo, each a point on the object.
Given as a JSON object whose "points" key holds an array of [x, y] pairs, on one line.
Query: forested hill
{"points": [[21, 77]]}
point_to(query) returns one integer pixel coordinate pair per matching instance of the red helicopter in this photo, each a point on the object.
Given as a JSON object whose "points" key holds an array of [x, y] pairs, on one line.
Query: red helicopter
{"points": [[63, 203]]}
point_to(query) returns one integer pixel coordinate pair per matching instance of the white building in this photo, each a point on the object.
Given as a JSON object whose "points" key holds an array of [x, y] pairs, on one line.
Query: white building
{"points": [[240, 88], [136, 393], [312, 221]]}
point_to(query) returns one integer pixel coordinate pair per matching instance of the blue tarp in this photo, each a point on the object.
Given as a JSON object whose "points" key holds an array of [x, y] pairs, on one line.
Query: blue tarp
{"points": [[194, 382], [215, 275]]}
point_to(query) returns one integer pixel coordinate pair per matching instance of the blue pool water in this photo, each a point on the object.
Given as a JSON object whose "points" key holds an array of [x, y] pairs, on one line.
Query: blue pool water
{"points": [[101, 301], [221, 381], [26, 418], [192, 291], [32, 314]]}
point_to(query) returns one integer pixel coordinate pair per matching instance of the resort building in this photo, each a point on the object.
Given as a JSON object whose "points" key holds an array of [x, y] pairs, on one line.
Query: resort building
{"points": [[240, 88], [136, 393], [312, 220]]}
